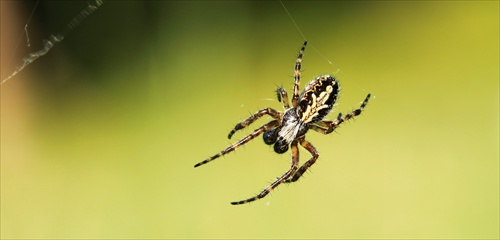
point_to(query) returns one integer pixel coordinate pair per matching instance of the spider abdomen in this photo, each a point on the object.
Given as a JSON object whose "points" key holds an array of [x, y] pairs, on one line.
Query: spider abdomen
{"points": [[317, 99]]}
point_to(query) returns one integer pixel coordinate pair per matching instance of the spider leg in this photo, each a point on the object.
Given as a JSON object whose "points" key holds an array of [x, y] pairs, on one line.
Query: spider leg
{"points": [[309, 147], [296, 75], [244, 140], [283, 97], [278, 181], [269, 111], [327, 127], [322, 126]]}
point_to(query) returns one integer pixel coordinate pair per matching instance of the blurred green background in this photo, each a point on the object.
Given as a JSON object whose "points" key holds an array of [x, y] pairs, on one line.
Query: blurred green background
{"points": [[99, 137]]}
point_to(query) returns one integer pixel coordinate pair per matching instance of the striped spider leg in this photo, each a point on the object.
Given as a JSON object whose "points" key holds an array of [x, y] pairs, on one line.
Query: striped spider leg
{"points": [[294, 166], [266, 127], [325, 127], [296, 75]]}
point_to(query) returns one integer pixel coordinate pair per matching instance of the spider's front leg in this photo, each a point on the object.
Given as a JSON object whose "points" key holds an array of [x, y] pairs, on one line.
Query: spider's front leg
{"points": [[310, 148], [278, 181], [327, 127], [244, 140], [243, 124]]}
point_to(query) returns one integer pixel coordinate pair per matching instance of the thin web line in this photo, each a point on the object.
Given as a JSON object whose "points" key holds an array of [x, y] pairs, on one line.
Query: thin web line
{"points": [[301, 33], [53, 39], [26, 26], [9, 63], [293, 21]]}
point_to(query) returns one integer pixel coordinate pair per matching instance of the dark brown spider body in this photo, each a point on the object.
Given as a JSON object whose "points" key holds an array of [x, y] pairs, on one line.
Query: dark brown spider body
{"points": [[314, 103], [288, 129], [317, 99]]}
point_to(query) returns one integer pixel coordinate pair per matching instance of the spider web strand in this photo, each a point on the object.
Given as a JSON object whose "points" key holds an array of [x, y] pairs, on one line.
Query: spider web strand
{"points": [[302, 34], [293, 21], [54, 39]]}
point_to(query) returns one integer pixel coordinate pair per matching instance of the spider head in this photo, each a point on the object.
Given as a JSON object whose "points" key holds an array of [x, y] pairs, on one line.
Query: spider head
{"points": [[281, 146], [270, 137]]}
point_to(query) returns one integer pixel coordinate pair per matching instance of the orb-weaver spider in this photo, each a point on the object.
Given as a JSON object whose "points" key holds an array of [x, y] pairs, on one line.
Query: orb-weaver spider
{"points": [[288, 129]]}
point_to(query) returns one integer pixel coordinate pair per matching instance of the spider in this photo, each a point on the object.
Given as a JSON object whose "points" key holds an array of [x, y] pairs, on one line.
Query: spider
{"points": [[288, 129]]}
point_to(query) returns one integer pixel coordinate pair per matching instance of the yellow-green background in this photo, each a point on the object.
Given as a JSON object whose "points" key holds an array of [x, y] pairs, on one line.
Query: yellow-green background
{"points": [[99, 137]]}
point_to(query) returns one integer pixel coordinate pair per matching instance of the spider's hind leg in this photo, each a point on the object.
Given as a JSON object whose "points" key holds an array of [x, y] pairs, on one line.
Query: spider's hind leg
{"points": [[310, 148], [277, 182], [327, 127]]}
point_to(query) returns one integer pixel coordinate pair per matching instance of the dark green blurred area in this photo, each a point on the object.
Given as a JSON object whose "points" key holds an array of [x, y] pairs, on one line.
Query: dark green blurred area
{"points": [[99, 136]]}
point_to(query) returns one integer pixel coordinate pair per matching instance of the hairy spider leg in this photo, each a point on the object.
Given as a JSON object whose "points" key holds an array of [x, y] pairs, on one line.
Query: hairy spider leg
{"points": [[296, 75], [243, 124], [278, 181], [266, 127], [327, 127], [309, 147], [283, 97], [322, 126]]}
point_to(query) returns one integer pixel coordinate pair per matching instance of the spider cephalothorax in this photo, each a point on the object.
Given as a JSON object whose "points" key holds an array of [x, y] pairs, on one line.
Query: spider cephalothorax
{"points": [[289, 128]]}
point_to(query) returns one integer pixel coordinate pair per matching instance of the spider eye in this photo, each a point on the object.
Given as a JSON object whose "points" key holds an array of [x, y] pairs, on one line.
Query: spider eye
{"points": [[281, 146], [270, 137]]}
